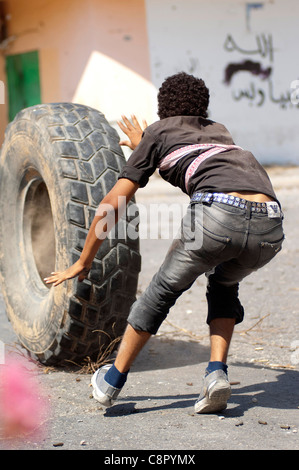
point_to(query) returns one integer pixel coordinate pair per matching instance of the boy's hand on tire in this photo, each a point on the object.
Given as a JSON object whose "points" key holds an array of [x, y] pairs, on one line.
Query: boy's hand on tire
{"points": [[133, 130], [77, 269]]}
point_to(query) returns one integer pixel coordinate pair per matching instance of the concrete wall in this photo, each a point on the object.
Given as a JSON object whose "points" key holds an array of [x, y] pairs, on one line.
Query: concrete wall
{"points": [[247, 53]]}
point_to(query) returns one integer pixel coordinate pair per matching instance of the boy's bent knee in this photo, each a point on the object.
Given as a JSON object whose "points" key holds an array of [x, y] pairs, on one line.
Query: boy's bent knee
{"points": [[223, 301], [142, 317]]}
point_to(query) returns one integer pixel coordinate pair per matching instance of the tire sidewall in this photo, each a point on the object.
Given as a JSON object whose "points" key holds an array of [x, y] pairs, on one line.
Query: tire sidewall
{"points": [[36, 312]]}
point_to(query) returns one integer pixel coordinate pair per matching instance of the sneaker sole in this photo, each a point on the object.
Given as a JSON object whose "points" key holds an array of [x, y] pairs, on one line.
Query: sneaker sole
{"points": [[104, 400], [216, 399], [98, 395]]}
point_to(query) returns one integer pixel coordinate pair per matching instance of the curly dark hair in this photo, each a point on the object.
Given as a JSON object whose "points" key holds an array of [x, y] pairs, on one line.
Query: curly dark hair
{"points": [[183, 95]]}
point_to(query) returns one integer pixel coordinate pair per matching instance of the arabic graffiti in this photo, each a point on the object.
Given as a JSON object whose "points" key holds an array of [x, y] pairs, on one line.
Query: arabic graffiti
{"points": [[247, 65], [295, 92], [264, 47], [249, 8], [256, 94]]}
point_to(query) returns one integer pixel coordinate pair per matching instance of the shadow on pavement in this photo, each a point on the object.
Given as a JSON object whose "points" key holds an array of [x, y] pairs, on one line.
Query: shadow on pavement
{"points": [[166, 353], [281, 393]]}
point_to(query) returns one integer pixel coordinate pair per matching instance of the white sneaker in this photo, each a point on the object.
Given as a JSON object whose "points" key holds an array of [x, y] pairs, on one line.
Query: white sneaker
{"points": [[102, 391], [216, 390]]}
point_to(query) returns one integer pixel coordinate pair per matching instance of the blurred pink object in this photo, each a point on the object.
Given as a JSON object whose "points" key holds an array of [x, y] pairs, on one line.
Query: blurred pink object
{"points": [[22, 405]]}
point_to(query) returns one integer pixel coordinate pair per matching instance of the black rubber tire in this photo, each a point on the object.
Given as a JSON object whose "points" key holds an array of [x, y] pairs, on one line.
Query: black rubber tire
{"points": [[57, 163]]}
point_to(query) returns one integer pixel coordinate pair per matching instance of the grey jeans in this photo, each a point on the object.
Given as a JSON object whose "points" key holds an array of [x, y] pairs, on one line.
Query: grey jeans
{"points": [[224, 242]]}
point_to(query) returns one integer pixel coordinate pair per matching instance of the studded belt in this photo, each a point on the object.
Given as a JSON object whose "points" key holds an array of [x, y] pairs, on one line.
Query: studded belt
{"points": [[271, 207]]}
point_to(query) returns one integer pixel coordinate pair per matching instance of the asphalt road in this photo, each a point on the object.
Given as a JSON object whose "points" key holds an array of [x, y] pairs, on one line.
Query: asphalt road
{"points": [[155, 411]]}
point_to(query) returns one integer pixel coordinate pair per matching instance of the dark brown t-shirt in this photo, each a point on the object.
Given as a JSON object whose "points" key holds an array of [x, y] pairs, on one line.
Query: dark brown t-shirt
{"points": [[233, 170]]}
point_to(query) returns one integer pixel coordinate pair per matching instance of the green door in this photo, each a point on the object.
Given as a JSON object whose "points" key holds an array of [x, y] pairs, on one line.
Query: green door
{"points": [[23, 82]]}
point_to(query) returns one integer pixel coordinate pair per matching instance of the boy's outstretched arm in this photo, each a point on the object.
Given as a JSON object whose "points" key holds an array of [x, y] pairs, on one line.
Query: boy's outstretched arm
{"points": [[107, 215]]}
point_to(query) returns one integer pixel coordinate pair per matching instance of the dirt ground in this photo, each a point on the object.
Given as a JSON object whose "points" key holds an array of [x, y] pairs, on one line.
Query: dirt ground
{"points": [[155, 410]]}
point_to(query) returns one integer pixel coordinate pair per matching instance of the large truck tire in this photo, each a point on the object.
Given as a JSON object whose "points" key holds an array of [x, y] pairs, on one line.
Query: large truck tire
{"points": [[57, 163]]}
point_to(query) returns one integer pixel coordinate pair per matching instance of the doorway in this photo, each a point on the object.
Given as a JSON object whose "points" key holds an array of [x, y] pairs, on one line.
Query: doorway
{"points": [[23, 82]]}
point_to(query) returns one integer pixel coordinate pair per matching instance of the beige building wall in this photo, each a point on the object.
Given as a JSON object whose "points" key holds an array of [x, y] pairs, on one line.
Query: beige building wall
{"points": [[88, 51], [3, 107]]}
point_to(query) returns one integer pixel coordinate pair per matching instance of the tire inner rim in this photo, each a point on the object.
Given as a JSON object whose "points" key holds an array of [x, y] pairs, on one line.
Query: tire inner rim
{"points": [[38, 229]]}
